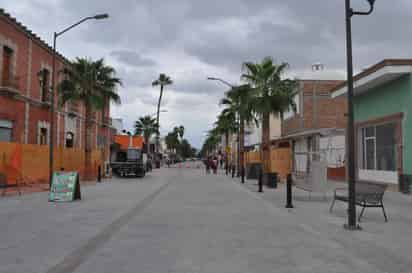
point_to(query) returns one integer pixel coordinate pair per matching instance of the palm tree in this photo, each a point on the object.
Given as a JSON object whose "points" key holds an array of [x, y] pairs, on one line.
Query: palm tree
{"points": [[94, 84], [162, 81], [179, 131], [226, 124], [146, 126], [273, 95], [211, 142], [238, 101]]}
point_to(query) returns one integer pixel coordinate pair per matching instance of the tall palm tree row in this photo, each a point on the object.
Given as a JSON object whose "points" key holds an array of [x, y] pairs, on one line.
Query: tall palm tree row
{"points": [[272, 95], [94, 84], [238, 101], [146, 126], [162, 81], [211, 142], [226, 124]]}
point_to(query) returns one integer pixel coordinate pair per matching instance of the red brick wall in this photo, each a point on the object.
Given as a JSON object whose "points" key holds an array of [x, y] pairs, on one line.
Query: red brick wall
{"points": [[330, 112], [41, 56], [20, 53], [13, 110]]}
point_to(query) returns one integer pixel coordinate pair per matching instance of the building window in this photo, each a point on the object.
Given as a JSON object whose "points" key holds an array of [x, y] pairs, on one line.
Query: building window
{"points": [[379, 147], [101, 141], [291, 113], [69, 140], [45, 85], [6, 130], [43, 136], [6, 66]]}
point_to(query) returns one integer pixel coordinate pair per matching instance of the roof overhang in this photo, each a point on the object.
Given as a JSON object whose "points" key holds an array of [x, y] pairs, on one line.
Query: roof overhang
{"points": [[321, 132], [379, 77]]}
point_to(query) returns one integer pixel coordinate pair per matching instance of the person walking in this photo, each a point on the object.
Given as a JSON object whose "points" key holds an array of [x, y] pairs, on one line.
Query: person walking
{"points": [[207, 165], [215, 163]]}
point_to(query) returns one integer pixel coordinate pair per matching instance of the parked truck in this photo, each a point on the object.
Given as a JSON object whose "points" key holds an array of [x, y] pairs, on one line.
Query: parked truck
{"points": [[128, 158]]}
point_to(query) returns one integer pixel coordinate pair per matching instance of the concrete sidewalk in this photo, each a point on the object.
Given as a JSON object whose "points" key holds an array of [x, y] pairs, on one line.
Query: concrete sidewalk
{"points": [[205, 223], [387, 245], [35, 234], [184, 221]]}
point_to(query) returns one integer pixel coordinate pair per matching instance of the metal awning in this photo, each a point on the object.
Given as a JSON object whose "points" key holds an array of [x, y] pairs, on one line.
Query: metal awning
{"points": [[321, 131], [377, 78]]}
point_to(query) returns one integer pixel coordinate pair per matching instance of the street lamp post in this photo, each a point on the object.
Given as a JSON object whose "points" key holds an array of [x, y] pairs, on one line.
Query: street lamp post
{"points": [[351, 225], [55, 35]]}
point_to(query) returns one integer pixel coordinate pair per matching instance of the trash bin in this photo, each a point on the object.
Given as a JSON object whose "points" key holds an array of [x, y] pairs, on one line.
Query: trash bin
{"points": [[272, 180], [252, 170], [405, 183]]}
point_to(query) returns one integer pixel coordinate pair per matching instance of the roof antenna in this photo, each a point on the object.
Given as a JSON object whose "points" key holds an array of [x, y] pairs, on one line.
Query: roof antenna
{"points": [[318, 66]]}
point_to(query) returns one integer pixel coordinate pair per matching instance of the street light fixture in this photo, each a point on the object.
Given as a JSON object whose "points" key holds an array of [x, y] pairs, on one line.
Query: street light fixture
{"points": [[351, 225], [55, 35], [221, 80], [161, 111]]}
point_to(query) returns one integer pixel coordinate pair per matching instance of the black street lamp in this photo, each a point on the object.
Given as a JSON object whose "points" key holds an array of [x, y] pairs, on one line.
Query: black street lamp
{"points": [[222, 81], [55, 35], [351, 151]]}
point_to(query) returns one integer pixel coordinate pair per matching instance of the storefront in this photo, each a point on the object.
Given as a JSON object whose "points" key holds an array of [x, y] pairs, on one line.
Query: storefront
{"points": [[382, 100]]}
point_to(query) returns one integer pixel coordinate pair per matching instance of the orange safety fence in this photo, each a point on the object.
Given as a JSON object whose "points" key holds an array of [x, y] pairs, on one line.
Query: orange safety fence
{"points": [[252, 157], [30, 162], [281, 161]]}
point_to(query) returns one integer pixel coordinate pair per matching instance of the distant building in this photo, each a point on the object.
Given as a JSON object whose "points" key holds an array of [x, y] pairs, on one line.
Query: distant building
{"points": [[117, 124]]}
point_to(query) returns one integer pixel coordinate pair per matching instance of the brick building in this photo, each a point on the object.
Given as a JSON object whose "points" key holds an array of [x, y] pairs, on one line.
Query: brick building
{"points": [[317, 129], [25, 104]]}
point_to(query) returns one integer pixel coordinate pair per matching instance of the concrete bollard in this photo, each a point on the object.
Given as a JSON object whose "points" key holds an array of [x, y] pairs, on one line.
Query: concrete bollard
{"points": [[260, 182], [99, 174], [289, 181], [243, 175]]}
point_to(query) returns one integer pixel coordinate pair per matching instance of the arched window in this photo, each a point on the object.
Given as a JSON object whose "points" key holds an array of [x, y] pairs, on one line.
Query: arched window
{"points": [[69, 140]]}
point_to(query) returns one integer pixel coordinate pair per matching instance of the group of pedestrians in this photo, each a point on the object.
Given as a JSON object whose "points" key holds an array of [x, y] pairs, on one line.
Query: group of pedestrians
{"points": [[213, 163]]}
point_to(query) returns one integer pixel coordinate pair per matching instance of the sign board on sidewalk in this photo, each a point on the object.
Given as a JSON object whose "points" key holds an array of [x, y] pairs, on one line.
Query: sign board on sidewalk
{"points": [[65, 187]]}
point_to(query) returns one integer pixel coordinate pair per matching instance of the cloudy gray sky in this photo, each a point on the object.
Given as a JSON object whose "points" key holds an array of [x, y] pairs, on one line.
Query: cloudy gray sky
{"points": [[192, 39]]}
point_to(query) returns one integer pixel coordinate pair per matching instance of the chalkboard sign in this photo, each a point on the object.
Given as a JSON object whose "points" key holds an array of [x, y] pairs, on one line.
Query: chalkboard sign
{"points": [[65, 187]]}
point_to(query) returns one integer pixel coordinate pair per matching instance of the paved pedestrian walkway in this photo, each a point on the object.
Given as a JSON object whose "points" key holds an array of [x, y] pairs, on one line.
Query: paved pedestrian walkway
{"points": [[387, 245], [184, 221]]}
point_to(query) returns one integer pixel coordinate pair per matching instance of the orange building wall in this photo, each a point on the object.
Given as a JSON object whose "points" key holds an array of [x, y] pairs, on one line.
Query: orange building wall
{"points": [[35, 158]]}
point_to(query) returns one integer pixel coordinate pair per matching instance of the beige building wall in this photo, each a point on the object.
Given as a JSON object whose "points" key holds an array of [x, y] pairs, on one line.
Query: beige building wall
{"points": [[254, 135], [275, 127]]}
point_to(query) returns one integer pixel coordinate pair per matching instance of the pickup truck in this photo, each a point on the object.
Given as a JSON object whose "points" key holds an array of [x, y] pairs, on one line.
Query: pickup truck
{"points": [[129, 162], [128, 158]]}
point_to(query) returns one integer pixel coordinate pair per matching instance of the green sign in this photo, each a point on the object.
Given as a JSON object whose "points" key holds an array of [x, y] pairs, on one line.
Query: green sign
{"points": [[65, 187]]}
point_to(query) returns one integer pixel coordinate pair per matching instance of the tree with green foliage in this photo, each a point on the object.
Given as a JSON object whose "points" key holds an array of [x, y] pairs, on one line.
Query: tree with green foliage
{"points": [[272, 95], [238, 101], [94, 84], [147, 127], [162, 81], [226, 124]]}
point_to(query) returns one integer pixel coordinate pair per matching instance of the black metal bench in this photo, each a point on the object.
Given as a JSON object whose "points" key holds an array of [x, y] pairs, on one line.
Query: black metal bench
{"points": [[4, 185], [368, 195]]}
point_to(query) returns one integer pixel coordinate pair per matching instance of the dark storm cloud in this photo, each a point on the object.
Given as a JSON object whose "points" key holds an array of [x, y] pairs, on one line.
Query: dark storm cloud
{"points": [[160, 24], [132, 58], [193, 39]]}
